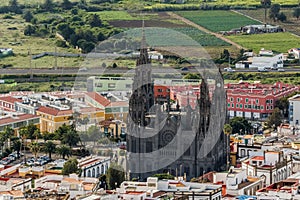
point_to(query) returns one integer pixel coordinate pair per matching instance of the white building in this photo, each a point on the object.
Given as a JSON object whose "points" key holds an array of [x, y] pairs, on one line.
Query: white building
{"points": [[295, 52], [159, 189], [294, 108], [93, 166], [71, 184], [271, 167], [238, 183], [266, 62]]}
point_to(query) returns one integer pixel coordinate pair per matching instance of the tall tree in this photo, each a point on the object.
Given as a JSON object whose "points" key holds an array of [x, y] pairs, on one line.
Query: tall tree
{"points": [[35, 148], [8, 134], [49, 148], [94, 20], [275, 118], [296, 12], [66, 5], [115, 175], [94, 133], [71, 137], [48, 5], [14, 6], [227, 129], [16, 145], [274, 12], [265, 4], [64, 151], [28, 16]]}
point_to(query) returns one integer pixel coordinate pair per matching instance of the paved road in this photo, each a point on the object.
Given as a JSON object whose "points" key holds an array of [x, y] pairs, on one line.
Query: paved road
{"points": [[100, 71]]}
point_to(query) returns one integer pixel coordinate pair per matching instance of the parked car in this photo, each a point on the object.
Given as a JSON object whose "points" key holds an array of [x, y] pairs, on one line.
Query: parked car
{"points": [[262, 69], [228, 69], [281, 70]]}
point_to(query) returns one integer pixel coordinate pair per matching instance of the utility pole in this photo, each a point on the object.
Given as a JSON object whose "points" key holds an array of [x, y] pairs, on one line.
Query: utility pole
{"points": [[30, 64], [55, 59]]}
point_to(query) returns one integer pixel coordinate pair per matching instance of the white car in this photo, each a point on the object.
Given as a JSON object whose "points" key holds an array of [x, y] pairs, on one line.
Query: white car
{"points": [[280, 70], [229, 69]]}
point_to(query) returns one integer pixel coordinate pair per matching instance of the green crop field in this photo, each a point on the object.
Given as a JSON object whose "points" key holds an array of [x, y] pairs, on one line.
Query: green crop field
{"points": [[202, 38], [280, 42], [218, 20]]}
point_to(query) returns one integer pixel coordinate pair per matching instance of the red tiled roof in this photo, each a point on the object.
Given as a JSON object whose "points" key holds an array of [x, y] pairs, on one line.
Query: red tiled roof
{"points": [[118, 103], [99, 98], [9, 119], [10, 99], [53, 111], [257, 158], [89, 109]]}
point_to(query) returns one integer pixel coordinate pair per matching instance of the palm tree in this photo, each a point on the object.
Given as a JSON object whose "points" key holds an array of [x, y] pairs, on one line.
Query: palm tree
{"points": [[35, 148], [64, 151], [16, 145], [71, 137], [49, 148], [8, 133]]}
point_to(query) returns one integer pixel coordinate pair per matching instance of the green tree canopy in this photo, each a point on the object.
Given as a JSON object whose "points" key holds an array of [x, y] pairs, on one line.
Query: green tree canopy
{"points": [[49, 148], [164, 176], [296, 12], [35, 148], [28, 16], [275, 118], [94, 20], [64, 151], [71, 137], [240, 125], [115, 175], [274, 12], [71, 166], [48, 5], [227, 129]]}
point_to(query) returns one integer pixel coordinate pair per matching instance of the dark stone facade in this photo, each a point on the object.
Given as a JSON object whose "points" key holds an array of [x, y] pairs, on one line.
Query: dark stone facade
{"points": [[170, 139]]}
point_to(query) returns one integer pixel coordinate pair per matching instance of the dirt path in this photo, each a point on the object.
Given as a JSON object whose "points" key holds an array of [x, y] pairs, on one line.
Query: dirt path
{"points": [[204, 29]]}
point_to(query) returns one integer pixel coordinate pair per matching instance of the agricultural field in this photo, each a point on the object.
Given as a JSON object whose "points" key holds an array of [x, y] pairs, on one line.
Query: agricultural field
{"points": [[202, 38], [292, 24], [218, 20], [216, 2], [280, 42], [12, 37]]}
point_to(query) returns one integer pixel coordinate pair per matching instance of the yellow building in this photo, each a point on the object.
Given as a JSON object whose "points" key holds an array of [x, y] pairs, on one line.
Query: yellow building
{"points": [[51, 118], [113, 128]]}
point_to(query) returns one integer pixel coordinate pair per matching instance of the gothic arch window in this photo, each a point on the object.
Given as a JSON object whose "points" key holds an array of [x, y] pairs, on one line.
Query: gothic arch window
{"points": [[93, 172], [89, 173]]}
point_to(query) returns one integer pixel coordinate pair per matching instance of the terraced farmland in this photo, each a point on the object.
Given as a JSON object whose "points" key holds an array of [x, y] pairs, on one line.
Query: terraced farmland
{"points": [[218, 20], [280, 42]]}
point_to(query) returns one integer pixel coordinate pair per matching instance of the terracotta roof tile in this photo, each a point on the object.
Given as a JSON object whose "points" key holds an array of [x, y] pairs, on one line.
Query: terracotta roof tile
{"points": [[8, 119], [53, 111], [99, 98], [10, 99]]}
